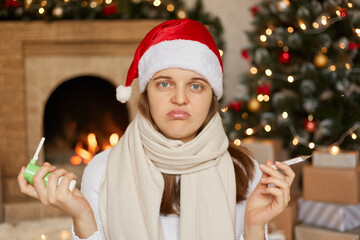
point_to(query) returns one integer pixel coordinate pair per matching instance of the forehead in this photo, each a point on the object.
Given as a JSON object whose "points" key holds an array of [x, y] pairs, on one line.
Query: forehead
{"points": [[178, 72]]}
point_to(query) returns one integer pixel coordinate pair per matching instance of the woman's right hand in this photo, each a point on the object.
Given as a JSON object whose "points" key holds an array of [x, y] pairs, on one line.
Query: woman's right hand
{"points": [[74, 203]]}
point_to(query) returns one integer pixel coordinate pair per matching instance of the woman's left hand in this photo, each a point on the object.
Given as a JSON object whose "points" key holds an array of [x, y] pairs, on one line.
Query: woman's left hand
{"points": [[267, 201]]}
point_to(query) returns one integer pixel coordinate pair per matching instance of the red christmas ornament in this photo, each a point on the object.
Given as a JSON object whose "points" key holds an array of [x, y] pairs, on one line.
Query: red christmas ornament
{"points": [[245, 54], [264, 89], [110, 9], [11, 3], [236, 105], [284, 57], [353, 45], [343, 12], [310, 126], [254, 10]]}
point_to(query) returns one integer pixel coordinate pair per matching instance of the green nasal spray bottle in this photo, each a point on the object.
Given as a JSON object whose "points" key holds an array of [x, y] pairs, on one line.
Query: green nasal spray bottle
{"points": [[32, 168]]}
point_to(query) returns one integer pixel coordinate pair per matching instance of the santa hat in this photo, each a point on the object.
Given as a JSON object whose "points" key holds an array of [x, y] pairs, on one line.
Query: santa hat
{"points": [[184, 44]]}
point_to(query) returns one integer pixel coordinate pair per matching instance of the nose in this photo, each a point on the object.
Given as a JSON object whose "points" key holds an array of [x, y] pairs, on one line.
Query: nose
{"points": [[180, 96]]}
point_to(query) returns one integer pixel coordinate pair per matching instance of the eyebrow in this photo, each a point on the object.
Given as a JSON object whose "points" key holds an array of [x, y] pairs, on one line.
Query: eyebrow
{"points": [[167, 77]]}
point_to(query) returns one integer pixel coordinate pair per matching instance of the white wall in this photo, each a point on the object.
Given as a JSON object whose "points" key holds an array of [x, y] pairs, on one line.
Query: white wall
{"points": [[235, 17]]}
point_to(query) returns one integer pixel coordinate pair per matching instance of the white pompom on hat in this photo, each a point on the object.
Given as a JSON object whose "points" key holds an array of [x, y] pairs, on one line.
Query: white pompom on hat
{"points": [[184, 44]]}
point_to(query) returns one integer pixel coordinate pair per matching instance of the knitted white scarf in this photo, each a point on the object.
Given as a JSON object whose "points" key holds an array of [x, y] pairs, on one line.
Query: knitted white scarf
{"points": [[132, 186]]}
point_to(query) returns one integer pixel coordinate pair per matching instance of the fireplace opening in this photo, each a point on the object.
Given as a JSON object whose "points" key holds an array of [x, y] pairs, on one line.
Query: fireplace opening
{"points": [[82, 117]]}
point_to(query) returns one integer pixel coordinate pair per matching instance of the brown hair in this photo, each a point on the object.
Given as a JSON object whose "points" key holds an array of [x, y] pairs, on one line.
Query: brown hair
{"points": [[243, 165]]}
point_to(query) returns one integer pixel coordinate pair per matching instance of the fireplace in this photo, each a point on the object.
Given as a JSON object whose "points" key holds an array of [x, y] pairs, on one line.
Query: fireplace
{"points": [[81, 118], [38, 59]]}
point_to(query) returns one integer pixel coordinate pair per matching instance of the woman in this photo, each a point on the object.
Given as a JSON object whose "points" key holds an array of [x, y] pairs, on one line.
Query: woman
{"points": [[171, 176]]}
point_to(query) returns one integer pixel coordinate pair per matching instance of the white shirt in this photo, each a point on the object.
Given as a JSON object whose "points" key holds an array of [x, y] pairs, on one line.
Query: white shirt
{"points": [[90, 189]]}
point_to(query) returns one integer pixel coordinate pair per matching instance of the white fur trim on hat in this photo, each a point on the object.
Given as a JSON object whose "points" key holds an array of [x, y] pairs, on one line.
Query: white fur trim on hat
{"points": [[123, 93], [184, 54]]}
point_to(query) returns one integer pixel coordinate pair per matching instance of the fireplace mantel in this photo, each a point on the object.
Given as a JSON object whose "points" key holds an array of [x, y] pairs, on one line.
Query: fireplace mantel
{"points": [[37, 56]]}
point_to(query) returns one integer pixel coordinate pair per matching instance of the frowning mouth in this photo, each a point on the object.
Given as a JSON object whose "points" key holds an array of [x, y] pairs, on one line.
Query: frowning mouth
{"points": [[178, 114]]}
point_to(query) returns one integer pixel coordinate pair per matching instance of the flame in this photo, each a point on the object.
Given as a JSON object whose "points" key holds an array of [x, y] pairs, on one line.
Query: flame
{"points": [[85, 155], [114, 138]]}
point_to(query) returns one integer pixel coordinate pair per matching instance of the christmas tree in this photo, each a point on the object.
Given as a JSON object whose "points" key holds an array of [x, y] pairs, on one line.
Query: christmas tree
{"points": [[304, 81]]}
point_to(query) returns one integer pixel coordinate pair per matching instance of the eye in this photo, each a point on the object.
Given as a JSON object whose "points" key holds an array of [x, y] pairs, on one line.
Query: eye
{"points": [[196, 87], [164, 84]]}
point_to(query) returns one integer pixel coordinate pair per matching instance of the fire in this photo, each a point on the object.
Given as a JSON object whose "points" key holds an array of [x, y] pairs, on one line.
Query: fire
{"points": [[85, 155]]}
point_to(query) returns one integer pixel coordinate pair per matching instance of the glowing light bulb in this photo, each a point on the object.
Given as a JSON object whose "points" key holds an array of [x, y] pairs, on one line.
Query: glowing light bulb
{"points": [[342, 45], [156, 3], [334, 150], [237, 126], [249, 131], [221, 52], [311, 145], [350, 5], [285, 115], [263, 38], [245, 115], [268, 31], [181, 14], [268, 72], [323, 20], [237, 142], [267, 128], [253, 70], [332, 68], [224, 109], [290, 79], [170, 7], [266, 98], [295, 141], [260, 97], [338, 12], [290, 29], [303, 26], [315, 25], [41, 10], [353, 136], [347, 65]]}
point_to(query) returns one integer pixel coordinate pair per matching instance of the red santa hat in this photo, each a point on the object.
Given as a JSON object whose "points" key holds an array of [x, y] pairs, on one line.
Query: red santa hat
{"points": [[184, 44]]}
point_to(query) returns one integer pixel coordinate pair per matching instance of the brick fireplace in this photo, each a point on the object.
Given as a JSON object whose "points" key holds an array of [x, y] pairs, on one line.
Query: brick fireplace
{"points": [[35, 58]]}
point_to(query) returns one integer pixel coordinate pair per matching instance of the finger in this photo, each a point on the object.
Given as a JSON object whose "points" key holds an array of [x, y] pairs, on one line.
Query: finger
{"points": [[25, 187], [54, 179], [279, 183], [65, 181], [271, 171], [279, 196], [289, 173], [39, 183]]}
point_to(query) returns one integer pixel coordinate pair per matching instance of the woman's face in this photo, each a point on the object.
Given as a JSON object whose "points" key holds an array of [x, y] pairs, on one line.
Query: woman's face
{"points": [[179, 102]]}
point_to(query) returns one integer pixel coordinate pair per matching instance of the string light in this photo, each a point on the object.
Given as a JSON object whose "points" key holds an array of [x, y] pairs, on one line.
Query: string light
{"points": [[266, 98], [295, 141], [93, 4], [290, 79], [323, 20], [108, 1], [237, 126], [156, 3], [334, 150], [342, 45], [311, 145], [338, 12], [347, 65], [350, 5], [324, 49], [332, 68], [41, 10], [221, 52], [170, 7], [268, 72], [353, 136], [224, 109], [253, 70], [237, 142], [268, 31], [267, 128], [249, 131], [263, 38], [260, 97], [245, 115], [290, 29], [181, 14], [302, 25], [315, 25], [285, 115], [43, 3], [280, 43]]}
